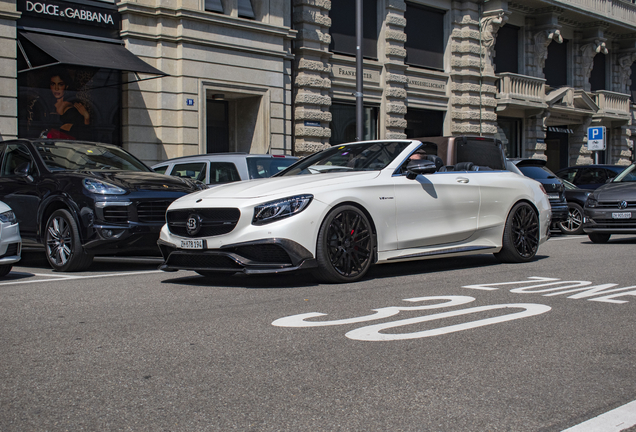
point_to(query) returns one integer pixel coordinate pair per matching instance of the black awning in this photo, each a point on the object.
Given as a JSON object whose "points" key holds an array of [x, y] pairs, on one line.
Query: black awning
{"points": [[81, 52]]}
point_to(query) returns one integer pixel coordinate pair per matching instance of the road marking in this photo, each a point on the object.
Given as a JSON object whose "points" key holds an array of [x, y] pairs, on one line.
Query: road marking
{"points": [[612, 421], [69, 277]]}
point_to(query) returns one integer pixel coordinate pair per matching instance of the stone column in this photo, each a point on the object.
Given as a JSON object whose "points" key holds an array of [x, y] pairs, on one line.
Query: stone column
{"points": [[534, 146], [473, 90], [312, 77], [584, 60], [8, 70], [394, 100], [579, 154]]}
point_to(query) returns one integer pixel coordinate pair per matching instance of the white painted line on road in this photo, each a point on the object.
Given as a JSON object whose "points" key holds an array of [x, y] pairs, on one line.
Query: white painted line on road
{"points": [[612, 421], [567, 238], [63, 278]]}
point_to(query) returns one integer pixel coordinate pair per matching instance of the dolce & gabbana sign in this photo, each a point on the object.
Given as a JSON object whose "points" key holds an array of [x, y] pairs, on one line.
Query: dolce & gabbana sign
{"points": [[69, 12]]}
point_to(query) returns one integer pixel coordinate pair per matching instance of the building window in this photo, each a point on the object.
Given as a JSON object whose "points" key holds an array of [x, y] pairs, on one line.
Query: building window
{"points": [[343, 123], [632, 87], [424, 123], [556, 65], [508, 132], [424, 37], [507, 49], [245, 9], [343, 28], [597, 77], [213, 6]]}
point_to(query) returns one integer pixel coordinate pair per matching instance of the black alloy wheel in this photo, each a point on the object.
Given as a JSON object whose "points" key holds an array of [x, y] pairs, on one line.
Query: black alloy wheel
{"points": [[521, 235], [64, 250], [573, 225], [345, 246], [5, 269]]}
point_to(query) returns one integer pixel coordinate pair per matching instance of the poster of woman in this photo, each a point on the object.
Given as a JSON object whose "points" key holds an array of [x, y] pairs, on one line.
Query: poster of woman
{"points": [[60, 102]]}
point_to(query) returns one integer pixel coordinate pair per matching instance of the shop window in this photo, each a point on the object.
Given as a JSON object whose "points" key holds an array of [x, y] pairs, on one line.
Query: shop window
{"points": [[424, 37], [343, 123], [556, 65], [507, 49], [213, 6], [343, 28], [597, 77], [424, 123], [245, 9], [70, 102]]}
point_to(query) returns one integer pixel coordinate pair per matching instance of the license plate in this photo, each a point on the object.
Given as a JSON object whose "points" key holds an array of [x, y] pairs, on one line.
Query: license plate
{"points": [[622, 215], [554, 196], [191, 244]]}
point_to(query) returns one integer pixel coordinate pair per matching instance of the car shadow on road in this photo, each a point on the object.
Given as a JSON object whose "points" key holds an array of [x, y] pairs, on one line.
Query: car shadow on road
{"points": [[38, 263], [305, 279]]}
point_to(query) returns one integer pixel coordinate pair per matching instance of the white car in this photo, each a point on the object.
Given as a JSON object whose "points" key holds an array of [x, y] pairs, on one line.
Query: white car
{"points": [[10, 241], [341, 210], [219, 168]]}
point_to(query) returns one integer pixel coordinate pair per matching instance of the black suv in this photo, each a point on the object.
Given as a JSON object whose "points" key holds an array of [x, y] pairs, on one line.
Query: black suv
{"points": [[536, 169], [80, 199]]}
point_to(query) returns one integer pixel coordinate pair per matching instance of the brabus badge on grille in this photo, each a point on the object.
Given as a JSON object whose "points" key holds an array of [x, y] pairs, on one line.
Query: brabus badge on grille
{"points": [[622, 205], [193, 224]]}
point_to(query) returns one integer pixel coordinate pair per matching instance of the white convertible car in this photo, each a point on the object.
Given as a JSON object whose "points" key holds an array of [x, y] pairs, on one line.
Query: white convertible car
{"points": [[341, 210]]}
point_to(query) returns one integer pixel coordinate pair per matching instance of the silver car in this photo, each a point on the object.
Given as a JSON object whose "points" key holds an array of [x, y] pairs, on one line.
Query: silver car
{"points": [[219, 168], [10, 241]]}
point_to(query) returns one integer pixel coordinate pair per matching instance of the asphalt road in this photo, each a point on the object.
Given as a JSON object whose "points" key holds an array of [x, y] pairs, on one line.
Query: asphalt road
{"points": [[125, 347]]}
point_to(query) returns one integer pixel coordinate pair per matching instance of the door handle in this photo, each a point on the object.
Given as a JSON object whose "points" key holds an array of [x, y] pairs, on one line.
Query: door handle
{"points": [[462, 180]]}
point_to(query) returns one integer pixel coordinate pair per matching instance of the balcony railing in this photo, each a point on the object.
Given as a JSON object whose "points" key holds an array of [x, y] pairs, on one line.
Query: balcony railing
{"points": [[619, 10], [521, 88], [611, 103]]}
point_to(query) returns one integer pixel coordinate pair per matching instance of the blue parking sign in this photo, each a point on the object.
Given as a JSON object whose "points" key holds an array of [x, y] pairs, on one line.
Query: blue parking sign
{"points": [[596, 138]]}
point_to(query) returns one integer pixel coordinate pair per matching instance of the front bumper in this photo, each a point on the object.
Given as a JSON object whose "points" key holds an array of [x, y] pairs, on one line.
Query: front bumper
{"points": [[253, 257], [602, 221], [10, 243], [111, 239]]}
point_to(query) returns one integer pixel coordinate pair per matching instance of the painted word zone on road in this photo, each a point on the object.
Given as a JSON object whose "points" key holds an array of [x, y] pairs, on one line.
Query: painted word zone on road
{"points": [[373, 332]]}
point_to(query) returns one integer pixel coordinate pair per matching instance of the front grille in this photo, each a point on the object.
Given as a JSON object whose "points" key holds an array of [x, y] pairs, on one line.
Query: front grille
{"points": [[152, 211], [201, 261], [215, 221], [116, 214], [614, 204], [266, 253], [615, 223], [12, 250]]}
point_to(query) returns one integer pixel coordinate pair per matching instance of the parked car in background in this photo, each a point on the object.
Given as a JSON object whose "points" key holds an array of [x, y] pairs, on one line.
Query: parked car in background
{"points": [[220, 168], [10, 241], [589, 176], [79, 199], [576, 198], [536, 169], [611, 209], [345, 208]]}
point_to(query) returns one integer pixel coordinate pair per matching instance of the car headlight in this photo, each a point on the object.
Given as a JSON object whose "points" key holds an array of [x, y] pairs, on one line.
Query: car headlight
{"points": [[279, 209], [591, 202], [102, 188], [8, 216]]}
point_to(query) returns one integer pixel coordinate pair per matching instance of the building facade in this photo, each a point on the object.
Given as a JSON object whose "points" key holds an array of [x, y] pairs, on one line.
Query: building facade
{"points": [[534, 74], [279, 76]]}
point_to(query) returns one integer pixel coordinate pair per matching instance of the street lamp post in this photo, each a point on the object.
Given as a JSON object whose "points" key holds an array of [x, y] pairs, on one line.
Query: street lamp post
{"points": [[359, 88]]}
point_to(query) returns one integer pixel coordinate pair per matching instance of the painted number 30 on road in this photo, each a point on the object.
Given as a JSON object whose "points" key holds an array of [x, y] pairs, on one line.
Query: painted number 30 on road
{"points": [[373, 332]]}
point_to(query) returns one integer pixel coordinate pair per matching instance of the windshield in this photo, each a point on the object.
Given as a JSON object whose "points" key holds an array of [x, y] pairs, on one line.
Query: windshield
{"points": [[627, 175], [78, 156], [370, 156], [262, 167], [537, 172]]}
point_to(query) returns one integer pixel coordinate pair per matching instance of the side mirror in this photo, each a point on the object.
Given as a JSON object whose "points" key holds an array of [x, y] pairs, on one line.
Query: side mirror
{"points": [[416, 167], [609, 180]]}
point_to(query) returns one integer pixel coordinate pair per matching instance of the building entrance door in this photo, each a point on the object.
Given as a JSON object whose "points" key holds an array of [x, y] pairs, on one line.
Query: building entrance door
{"points": [[217, 127], [557, 148]]}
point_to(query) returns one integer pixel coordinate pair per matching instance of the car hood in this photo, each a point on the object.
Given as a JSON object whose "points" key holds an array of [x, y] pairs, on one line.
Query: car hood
{"points": [[140, 180], [285, 185], [616, 192]]}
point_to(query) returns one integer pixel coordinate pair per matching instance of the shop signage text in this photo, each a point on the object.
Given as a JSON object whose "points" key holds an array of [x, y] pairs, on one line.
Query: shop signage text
{"points": [[427, 84], [80, 14], [347, 72]]}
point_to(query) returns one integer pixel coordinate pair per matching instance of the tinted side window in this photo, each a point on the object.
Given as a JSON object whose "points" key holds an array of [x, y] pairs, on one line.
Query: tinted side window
{"points": [[223, 172], [161, 169], [192, 170], [592, 176], [569, 174], [16, 155], [537, 172]]}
